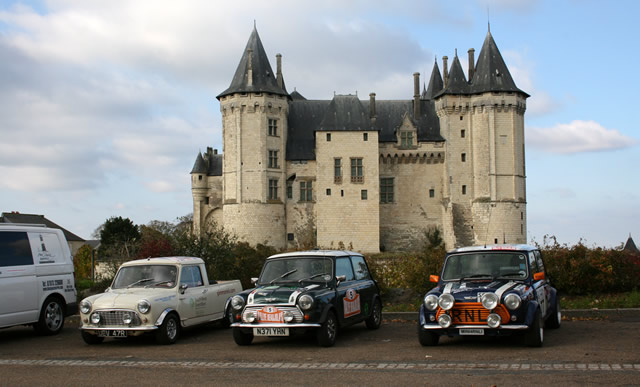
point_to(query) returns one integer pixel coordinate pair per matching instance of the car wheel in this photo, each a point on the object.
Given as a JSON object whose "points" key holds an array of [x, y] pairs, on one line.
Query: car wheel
{"points": [[534, 337], [227, 320], [555, 317], [169, 330], [242, 338], [91, 339], [374, 321], [328, 331], [51, 317], [426, 338]]}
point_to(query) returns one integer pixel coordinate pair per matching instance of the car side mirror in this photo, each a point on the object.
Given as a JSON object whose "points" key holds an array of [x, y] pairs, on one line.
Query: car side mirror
{"points": [[434, 278], [341, 278], [538, 276], [254, 280], [183, 287]]}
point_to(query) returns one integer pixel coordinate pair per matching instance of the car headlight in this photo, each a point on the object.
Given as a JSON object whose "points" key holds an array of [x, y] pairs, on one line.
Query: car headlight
{"points": [[305, 301], [127, 318], [288, 316], [512, 301], [250, 317], [489, 300], [144, 306], [431, 302], [237, 302], [95, 318], [493, 320], [444, 320], [446, 301], [85, 307]]}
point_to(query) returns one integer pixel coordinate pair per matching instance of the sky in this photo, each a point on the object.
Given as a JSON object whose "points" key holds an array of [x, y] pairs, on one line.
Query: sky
{"points": [[104, 105]]}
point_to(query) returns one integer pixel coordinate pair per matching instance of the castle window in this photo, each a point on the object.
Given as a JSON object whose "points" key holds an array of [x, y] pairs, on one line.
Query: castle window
{"points": [[463, 157], [273, 189], [273, 159], [365, 136], [460, 118], [464, 189], [406, 139], [199, 177], [462, 133], [328, 137], [363, 194], [206, 200], [328, 191], [337, 170], [432, 193], [306, 190], [357, 170], [289, 190], [273, 127], [290, 236], [386, 190]]}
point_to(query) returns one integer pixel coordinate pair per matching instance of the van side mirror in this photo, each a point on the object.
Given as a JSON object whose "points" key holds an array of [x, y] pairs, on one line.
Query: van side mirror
{"points": [[434, 278], [182, 288], [538, 276], [254, 280], [341, 278]]}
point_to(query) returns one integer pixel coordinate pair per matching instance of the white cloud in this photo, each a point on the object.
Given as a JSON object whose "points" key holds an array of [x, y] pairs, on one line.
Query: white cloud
{"points": [[577, 136], [160, 186]]}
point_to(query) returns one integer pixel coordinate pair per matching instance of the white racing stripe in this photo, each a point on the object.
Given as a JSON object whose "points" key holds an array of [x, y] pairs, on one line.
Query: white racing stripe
{"points": [[504, 288]]}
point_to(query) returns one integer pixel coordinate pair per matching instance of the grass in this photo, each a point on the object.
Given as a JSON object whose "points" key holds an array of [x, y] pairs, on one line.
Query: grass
{"points": [[600, 301]]}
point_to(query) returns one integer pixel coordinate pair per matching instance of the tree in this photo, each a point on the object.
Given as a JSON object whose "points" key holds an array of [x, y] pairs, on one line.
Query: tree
{"points": [[118, 238], [154, 242], [82, 262]]}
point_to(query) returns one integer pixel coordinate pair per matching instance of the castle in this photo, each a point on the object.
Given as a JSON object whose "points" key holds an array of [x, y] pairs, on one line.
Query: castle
{"points": [[368, 175]]}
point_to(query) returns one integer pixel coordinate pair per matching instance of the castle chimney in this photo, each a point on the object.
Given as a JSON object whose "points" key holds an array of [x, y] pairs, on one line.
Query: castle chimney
{"points": [[279, 70], [215, 151], [372, 105], [445, 68], [250, 68], [471, 63], [416, 95]]}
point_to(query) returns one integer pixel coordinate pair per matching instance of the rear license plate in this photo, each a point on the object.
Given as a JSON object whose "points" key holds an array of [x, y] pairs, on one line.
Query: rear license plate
{"points": [[112, 333], [271, 331], [471, 331]]}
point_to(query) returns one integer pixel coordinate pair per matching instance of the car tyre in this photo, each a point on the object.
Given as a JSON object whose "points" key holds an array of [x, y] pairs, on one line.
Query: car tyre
{"points": [[242, 338], [91, 339], [227, 320], [327, 333], [375, 320], [555, 317], [169, 330], [51, 319], [426, 338], [534, 337]]}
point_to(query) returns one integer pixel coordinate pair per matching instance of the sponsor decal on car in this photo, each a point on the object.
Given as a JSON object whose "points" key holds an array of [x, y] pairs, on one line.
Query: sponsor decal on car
{"points": [[351, 303], [270, 314]]}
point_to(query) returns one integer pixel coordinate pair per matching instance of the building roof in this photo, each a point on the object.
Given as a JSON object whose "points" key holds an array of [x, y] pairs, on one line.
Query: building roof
{"points": [[261, 79], [491, 73], [435, 83], [345, 113], [631, 246], [199, 166], [456, 81], [16, 217]]}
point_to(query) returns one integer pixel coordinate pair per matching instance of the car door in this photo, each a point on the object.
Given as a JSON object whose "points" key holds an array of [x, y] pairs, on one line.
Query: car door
{"points": [[364, 283], [193, 298], [18, 283], [539, 286], [349, 298]]}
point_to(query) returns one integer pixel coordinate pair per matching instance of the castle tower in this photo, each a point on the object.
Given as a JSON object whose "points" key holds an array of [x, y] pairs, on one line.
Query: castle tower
{"points": [[206, 189], [198, 191], [254, 124], [483, 123]]}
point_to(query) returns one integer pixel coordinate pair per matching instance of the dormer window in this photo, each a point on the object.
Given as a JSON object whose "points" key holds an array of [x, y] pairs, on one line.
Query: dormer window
{"points": [[406, 139]]}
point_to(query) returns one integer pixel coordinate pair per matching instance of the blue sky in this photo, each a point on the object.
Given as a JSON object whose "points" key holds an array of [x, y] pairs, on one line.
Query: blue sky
{"points": [[104, 105]]}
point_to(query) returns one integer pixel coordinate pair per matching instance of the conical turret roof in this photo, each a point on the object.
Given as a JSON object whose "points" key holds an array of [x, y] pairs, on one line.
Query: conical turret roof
{"points": [[456, 81], [199, 166], [261, 79], [631, 246], [491, 73], [435, 83]]}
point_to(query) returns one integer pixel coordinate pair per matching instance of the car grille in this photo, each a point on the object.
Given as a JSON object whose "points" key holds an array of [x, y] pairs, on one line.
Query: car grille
{"points": [[298, 317], [470, 313], [115, 317]]}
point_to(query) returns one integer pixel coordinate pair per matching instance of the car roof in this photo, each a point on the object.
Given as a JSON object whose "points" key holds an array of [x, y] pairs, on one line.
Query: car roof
{"points": [[315, 253], [500, 247], [165, 261]]}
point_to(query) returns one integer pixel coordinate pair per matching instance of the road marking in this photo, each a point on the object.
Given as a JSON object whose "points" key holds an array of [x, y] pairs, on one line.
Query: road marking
{"points": [[553, 367]]}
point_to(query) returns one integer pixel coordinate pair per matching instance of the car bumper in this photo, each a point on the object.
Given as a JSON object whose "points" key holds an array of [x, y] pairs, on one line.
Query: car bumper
{"points": [[275, 325], [118, 328], [502, 327]]}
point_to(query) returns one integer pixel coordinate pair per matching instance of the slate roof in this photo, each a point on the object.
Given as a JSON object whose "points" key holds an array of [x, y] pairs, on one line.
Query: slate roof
{"points": [[199, 166], [456, 81], [210, 163], [491, 73], [435, 83], [263, 79], [16, 217], [631, 246]]}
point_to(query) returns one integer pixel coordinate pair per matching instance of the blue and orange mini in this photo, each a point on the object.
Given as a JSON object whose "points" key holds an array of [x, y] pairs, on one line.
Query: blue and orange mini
{"points": [[495, 290]]}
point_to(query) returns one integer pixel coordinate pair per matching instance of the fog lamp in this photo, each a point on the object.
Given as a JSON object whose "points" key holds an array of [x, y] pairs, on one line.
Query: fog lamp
{"points": [[126, 318], [493, 320], [95, 318], [444, 320], [250, 317], [288, 316]]}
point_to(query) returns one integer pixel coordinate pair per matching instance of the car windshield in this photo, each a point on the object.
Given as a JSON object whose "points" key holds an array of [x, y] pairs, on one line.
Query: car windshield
{"points": [[297, 269], [145, 276], [483, 265]]}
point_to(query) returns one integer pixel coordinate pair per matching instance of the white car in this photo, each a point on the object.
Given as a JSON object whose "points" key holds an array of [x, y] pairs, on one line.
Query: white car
{"points": [[36, 278], [156, 295]]}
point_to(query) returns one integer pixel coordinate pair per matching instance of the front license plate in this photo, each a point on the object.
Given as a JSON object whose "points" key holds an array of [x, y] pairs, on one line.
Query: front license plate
{"points": [[112, 333], [271, 331], [471, 331]]}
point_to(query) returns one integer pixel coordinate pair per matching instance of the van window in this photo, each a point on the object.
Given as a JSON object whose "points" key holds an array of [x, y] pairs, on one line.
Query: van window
{"points": [[15, 249], [191, 276]]}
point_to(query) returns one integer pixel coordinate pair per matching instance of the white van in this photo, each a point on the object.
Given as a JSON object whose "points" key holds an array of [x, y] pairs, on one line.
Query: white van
{"points": [[37, 285]]}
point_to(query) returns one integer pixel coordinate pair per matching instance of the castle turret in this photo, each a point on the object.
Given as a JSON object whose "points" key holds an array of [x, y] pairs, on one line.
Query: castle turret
{"points": [[254, 111]]}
